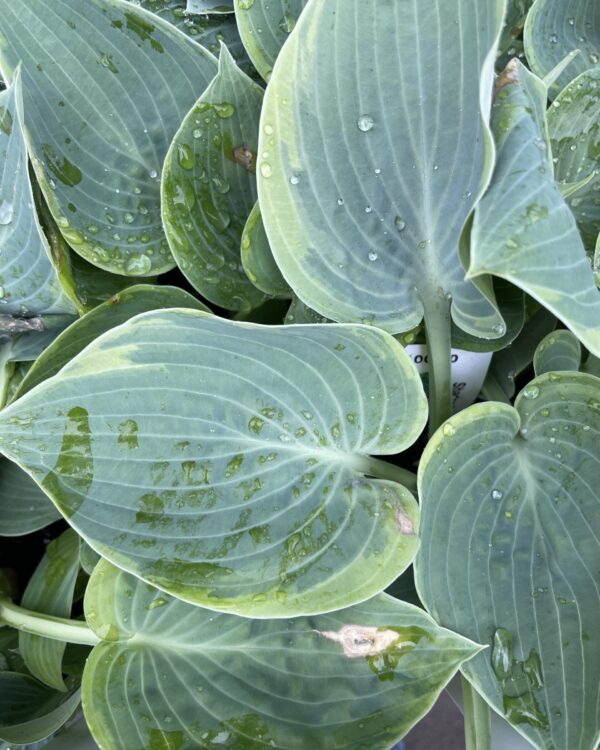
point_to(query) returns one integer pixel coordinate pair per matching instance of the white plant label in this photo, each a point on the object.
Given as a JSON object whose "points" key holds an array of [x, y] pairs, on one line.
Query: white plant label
{"points": [[468, 372]]}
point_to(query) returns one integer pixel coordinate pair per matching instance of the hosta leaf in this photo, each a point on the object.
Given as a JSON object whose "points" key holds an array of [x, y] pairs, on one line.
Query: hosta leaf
{"points": [[301, 314], [574, 125], [523, 230], [106, 86], [50, 592], [364, 198], [226, 462], [554, 29], [120, 308], [30, 711], [28, 280], [264, 27], [357, 678], [558, 351], [209, 6], [88, 557], [209, 187], [257, 258], [23, 506], [510, 547]]}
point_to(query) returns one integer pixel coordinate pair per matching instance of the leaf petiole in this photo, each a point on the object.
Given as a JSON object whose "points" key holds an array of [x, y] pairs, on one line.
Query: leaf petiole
{"points": [[47, 626]]}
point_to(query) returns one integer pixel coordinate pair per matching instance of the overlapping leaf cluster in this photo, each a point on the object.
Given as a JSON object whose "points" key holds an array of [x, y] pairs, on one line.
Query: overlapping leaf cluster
{"points": [[221, 226]]}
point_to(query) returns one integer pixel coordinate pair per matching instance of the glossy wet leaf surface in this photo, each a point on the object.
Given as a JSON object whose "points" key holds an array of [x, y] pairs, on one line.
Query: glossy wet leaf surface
{"points": [[120, 308], [50, 591], [523, 230], [98, 147], [264, 27], [23, 506], [554, 29], [28, 281], [574, 127], [209, 187], [558, 351], [510, 549], [216, 460], [356, 679], [364, 203]]}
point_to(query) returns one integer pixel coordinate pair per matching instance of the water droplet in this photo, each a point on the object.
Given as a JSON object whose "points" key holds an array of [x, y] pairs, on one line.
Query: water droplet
{"points": [[340, 201], [531, 392], [153, 174], [129, 218], [399, 223], [373, 256], [448, 429], [6, 212], [224, 110], [294, 180], [368, 209], [138, 265], [499, 329], [497, 495], [553, 38], [365, 123], [185, 156], [265, 169], [268, 130]]}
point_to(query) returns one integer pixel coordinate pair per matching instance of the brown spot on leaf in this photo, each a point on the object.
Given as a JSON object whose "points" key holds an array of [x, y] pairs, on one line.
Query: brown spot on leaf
{"points": [[509, 75], [243, 156], [405, 523], [362, 640]]}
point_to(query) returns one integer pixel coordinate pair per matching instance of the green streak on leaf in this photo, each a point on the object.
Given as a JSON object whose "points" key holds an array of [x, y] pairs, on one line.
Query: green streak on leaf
{"points": [[143, 29], [128, 431], [73, 473], [61, 168], [161, 740], [6, 121]]}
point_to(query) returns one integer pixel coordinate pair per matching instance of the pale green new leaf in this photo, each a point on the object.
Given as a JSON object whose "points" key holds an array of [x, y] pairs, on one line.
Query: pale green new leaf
{"points": [[523, 230], [510, 543], [105, 87], [88, 557], [372, 157], [28, 281], [257, 258], [50, 592], [554, 29], [227, 463], [23, 506], [170, 675], [30, 711], [209, 187], [120, 308], [574, 125], [301, 314], [558, 351], [264, 27]]}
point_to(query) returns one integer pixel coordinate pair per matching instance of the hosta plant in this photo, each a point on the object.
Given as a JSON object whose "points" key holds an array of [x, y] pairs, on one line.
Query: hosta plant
{"points": [[300, 340]]}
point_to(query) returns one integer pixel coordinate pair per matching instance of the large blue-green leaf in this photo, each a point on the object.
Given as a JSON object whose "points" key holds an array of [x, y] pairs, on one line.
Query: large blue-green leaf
{"points": [[169, 675], [554, 29], [574, 126], [523, 230], [23, 506], [50, 592], [30, 711], [105, 87], [364, 193], [120, 308], [28, 281], [264, 27], [510, 547], [209, 187], [227, 463]]}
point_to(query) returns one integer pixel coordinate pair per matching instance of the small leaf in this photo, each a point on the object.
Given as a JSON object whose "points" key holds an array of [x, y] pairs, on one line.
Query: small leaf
{"points": [[23, 506], [98, 120], [209, 187], [558, 351], [257, 258], [28, 280], [50, 592], [264, 27], [574, 125], [358, 678], [523, 230], [510, 541], [217, 461], [554, 29]]}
